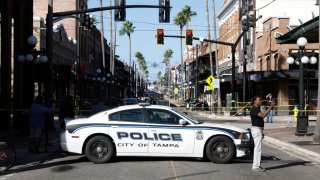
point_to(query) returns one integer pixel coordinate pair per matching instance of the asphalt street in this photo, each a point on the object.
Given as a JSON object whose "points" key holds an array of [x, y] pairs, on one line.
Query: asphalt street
{"points": [[280, 165]]}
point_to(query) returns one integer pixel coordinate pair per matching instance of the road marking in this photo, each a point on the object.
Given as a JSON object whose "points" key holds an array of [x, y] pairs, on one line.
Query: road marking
{"points": [[174, 171]]}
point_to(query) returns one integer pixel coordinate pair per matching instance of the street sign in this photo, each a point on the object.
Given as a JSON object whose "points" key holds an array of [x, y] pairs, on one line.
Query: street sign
{"points": [[209, 81], [216, 83]]}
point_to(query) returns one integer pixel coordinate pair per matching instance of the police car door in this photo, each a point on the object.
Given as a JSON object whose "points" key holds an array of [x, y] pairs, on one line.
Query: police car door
{"points": [[166, 135], [129, 130]]}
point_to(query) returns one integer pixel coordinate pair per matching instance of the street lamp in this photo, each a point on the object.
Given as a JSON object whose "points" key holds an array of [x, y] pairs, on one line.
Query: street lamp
{"points": [[302, 120], [29, 57]]}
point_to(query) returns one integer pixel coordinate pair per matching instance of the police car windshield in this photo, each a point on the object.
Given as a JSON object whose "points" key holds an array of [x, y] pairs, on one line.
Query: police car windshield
{"points": [[186, 116]]}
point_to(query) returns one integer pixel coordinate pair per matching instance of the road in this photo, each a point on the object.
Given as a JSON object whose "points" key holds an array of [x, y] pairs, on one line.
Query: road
{"points": [[280, 165]]}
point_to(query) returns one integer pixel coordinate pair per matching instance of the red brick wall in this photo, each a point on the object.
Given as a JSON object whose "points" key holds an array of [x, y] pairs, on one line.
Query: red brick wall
{"points": [[40, 8], [228, 32], [266, 45]]}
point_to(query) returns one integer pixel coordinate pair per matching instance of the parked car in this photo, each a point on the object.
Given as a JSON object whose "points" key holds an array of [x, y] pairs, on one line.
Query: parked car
{"points": [[130, 101], [152, 130]]}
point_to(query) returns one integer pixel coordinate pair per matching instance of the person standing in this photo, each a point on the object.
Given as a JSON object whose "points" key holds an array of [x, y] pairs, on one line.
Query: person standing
{"points": [[66, 110], [100, 106], [38, 114], [257, 122], [270, 115]]}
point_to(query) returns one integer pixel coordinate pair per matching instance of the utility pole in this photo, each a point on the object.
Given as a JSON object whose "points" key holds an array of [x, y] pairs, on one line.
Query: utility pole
{"points": [[219, 110], [210, 54], [244, 11], [49, 49]]}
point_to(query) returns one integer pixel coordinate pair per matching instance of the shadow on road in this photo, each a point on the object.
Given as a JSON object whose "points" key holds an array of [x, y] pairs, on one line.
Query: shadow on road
{"points": [[296, 163]]}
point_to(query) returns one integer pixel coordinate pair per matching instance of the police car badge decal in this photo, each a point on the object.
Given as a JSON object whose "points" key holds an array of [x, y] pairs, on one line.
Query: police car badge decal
{"points": [[199, 135]]}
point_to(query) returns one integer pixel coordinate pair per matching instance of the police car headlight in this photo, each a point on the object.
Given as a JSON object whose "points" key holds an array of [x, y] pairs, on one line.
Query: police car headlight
{"points": [[245, 136]]}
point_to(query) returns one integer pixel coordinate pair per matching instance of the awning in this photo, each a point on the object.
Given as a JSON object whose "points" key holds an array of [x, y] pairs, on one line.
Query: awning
{"points": [[309, 30]]}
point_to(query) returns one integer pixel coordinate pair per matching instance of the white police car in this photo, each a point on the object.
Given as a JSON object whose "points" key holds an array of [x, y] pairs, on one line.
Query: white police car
{"points": [[152, 130]]}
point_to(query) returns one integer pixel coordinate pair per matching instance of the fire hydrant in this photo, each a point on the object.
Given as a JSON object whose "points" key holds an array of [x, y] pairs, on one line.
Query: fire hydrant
{"points": [[295, 112]]}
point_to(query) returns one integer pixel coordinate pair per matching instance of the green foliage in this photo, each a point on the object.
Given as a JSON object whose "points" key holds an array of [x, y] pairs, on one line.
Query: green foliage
{"points": [[127, 28]]}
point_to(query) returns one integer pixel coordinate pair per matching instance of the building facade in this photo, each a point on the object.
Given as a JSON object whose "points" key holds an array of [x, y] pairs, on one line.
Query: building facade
{"points": [[260, 61]]}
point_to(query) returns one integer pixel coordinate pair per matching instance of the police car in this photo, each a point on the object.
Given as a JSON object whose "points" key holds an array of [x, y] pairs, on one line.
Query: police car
{"points": [[152, 130]]}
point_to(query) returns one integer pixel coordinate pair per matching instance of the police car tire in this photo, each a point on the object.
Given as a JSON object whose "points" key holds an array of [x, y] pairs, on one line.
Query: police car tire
{"points": [[106, 142], [213, 155]]}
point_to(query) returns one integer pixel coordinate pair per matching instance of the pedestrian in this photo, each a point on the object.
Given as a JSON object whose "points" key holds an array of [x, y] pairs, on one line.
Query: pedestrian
{"points": [[66, 110], [257, 122], [38, 114], [270, 115], [100, 106]]}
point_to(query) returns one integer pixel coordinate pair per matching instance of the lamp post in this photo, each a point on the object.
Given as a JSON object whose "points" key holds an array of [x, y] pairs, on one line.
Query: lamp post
{"points": [[30, 56], [302, 120]]}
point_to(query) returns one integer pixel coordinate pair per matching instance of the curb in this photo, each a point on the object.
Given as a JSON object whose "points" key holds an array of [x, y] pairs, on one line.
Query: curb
{"points": [[294, 149]]}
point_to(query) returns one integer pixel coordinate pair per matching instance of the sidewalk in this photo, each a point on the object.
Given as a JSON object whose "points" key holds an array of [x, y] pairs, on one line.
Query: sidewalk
{"points": [[24, 159], [279, 134]]}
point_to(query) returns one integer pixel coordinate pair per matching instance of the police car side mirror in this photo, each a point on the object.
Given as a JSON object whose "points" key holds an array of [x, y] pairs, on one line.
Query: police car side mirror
{"points": [[182, 122]]}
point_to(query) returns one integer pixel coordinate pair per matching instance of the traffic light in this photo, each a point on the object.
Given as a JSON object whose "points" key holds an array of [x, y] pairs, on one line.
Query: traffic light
{"points": [[189, 37], [248, 20], [160, 36], [120, 14], [252, 19], [244, 22], [164, 12], [87, 21]]}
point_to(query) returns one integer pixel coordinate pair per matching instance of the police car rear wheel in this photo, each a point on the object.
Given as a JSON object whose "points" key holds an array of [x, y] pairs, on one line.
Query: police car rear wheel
{"points": [[220, 149], [99, 149]]}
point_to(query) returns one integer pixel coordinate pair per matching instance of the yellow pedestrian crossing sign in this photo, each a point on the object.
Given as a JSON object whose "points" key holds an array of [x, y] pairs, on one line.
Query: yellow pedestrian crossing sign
{"points": [[209, 81]]}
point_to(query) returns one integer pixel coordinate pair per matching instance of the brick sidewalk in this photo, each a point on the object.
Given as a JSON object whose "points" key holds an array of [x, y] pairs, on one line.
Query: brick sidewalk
{"points": [[288, 135]]}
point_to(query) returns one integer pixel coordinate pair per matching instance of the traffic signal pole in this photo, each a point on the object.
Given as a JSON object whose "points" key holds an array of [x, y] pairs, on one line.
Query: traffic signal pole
{"points": [[233, 60], [57, 16]]}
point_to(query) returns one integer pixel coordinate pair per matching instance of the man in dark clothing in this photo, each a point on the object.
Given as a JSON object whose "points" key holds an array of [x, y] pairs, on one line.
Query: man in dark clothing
{"points": [[66, 110], [257, 130], [38, 113]]}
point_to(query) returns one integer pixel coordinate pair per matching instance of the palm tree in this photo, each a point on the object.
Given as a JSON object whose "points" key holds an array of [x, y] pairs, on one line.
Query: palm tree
{"points": [[111, 57], [167, 56], [142, 64], [102, 36], [159, 75], [186, 10], [181, 20], [127, 29]]}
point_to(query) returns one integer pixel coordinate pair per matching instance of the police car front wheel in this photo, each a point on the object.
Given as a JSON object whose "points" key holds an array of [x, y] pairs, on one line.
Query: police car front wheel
{"points": [[220, 149], [99, 149]]}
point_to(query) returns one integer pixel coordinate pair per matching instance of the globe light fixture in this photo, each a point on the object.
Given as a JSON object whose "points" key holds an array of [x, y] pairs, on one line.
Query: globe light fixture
{"points": [[305, 59], [290, 60], [32, 40]]}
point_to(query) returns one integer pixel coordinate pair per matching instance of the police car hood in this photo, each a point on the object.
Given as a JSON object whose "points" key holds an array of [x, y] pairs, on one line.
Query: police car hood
{"points": [[224, 126]]}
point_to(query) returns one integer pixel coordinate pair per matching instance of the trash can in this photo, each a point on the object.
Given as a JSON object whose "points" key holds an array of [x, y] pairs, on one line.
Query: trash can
{"points": [[302, 125]]}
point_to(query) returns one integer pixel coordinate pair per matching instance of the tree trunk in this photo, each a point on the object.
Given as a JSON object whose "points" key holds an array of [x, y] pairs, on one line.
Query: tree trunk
{"points": [[210, 55], [130, 66], [102, 36], [114, 46], [316, 137], [111, 40], [182, 68], [219, 110]]}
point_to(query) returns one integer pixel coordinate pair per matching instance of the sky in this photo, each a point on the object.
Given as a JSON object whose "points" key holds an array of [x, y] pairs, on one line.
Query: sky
{"points": [[146, 22]]}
